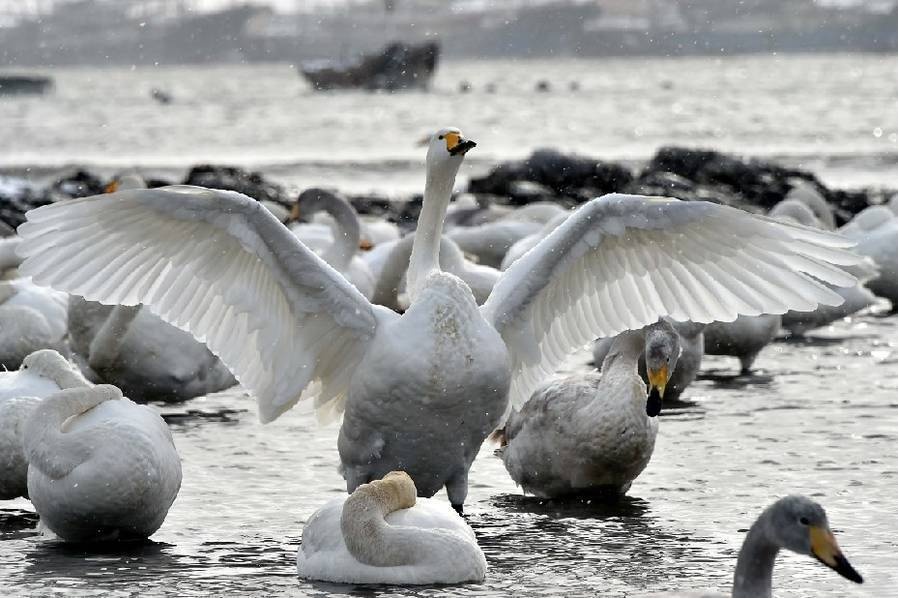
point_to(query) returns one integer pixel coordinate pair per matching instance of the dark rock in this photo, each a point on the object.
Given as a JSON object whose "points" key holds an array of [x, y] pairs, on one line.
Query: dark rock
{"points": [[525, 192], [249, 183], [79, 184], [563, 174]]}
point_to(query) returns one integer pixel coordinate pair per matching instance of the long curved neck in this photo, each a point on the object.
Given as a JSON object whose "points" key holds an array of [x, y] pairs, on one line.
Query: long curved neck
{"points": [[52, 451], [625, 350], [396, 265], [107, 343], [8, 256], [755, 564], [426, 248], [346, 237], [367, 535]]}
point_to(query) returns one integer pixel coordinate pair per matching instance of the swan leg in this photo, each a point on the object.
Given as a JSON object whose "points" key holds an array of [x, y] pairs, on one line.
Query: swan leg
{"points": [[746, 363], [457, 489]]}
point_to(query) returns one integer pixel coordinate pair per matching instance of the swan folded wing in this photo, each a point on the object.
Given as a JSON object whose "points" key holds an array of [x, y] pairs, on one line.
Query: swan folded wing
{"points": [[620, 262], [218, 265]]}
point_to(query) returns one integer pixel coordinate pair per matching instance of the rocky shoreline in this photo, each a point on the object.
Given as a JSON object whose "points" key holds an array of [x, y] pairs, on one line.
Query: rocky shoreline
{"points": [[547, 175]]}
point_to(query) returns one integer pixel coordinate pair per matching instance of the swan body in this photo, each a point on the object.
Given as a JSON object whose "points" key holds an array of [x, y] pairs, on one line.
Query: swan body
{"points": [[855, 298], [593, 433], [100, 466], [743, 338], [489, 242], [292, 328], [875, 230], [382, 534], [31, 318], [346, 235], [41, 373], [148, 359], [692, 344], [393, 261], [524, 245]]}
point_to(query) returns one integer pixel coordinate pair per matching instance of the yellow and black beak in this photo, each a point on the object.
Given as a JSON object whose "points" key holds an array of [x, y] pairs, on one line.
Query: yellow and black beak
{"points": [[657, 381], [826, 551], [294, 213], [457, 145], [365, 245], [112, 186]]}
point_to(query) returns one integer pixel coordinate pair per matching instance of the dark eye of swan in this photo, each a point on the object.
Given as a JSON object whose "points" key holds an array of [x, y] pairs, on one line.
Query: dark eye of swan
{"points": [[440, 137], [803, 521]]}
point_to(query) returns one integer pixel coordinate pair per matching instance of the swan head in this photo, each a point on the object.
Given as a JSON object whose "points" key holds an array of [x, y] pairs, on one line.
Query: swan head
{"points": [[50, 364], [446, 149], [399, 488], [661, 352], [799, 524], [795, 211], [126, 181]]}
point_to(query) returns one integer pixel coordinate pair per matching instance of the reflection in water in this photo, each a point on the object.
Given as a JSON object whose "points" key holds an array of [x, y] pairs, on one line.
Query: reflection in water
{"points": [[820, 421]]}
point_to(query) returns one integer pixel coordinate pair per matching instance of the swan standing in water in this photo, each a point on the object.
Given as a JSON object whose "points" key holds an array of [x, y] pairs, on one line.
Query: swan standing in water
{"points": [[41, 373], [692, 344], [593, 433], [796, 523], [100, 467], [875, 229], [420, 391], [382, 534]]}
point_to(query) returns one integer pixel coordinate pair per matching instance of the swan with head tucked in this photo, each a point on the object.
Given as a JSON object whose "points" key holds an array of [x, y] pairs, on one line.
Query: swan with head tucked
{"points": [[100, 467], [41, 373], [422, 390], [382, 534], [594, 433], [855, 298], [32, 317], [691, 341], [876, 229], [345, 236]]}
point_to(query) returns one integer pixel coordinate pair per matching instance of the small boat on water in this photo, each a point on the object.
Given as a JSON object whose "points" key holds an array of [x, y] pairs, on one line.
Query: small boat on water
{"points": [[398, 66], [23, 84]]}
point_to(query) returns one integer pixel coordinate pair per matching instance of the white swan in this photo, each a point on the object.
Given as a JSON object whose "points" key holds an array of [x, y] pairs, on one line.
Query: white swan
{"points": [[875, 229], [796, 523], [855, 298], [692, 344], [593, 433], [743, 338], [31, 318], [391, 276], [340, 251], [41, 373], [524, 245], [381, 534], [8, 257], [100, 467], [291, 327], [148, 359]]}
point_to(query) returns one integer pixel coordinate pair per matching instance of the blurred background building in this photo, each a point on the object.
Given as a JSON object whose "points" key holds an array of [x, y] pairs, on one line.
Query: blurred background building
{"points": [[64, 32]]}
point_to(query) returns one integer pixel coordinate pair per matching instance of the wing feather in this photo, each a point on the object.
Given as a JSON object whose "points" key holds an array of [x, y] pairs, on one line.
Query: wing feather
{"points": [[219, 266], [621, 262]]}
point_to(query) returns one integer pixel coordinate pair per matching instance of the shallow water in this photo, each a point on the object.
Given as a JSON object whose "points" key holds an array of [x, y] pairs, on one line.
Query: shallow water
{"points": [[833, 114], [819, 418]]}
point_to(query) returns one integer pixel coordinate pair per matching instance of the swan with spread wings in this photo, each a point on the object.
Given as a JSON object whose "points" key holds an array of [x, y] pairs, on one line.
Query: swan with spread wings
{"points": [[420, 391]]}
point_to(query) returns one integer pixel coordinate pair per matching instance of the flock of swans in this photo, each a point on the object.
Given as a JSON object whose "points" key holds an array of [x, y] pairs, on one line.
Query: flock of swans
{"points": [[423, 351]]}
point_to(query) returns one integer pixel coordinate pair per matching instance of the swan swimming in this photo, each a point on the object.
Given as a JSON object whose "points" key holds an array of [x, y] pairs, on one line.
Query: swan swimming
{"points": [[796, 523], [41, 373], [290, 327], [593, 433], [100, 467], [382, 534]]}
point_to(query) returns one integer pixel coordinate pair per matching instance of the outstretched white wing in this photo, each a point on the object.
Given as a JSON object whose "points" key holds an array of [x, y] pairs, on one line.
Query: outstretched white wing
{"points": [[218, 265], [620, 262]]}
